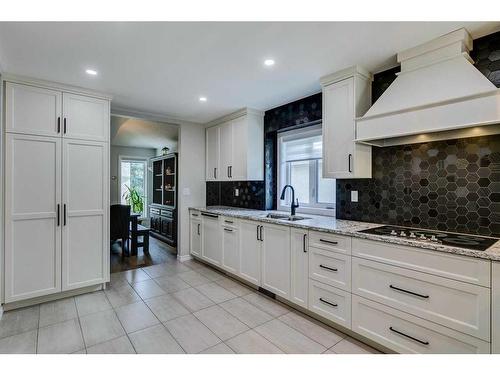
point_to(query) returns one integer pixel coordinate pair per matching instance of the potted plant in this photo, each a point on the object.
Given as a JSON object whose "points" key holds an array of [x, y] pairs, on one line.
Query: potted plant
{"points": [[134, 199]]}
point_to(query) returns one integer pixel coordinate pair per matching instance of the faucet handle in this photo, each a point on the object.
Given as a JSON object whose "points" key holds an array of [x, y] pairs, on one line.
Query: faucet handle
{"points": [[297, 204]]}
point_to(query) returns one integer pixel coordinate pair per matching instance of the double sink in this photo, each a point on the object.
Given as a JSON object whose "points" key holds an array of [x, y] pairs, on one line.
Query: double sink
{"points": [[285, 217]]}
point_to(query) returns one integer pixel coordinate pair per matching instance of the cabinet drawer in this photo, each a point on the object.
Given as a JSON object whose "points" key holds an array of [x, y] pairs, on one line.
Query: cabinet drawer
{"points": [[462, 268], [406, 333], [327, 241], [454, 304], [229, 222], [331, 303], [330, 268]]}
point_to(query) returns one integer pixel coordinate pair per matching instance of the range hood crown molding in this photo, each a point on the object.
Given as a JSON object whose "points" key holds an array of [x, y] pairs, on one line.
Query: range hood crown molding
{"points": [[438, 90]]}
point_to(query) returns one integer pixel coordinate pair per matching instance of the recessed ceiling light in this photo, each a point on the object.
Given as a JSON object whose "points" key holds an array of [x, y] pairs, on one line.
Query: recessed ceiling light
{"points": [[269, 62], [91, 72], [203, 99]]}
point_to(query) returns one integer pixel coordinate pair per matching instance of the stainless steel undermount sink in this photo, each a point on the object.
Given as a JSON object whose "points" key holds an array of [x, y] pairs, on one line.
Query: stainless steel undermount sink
{"points": [[285, 217]]}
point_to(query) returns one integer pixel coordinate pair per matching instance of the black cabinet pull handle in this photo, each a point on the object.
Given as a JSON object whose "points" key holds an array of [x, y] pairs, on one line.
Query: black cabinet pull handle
{"points": [[304, 243], [228, 230], [408, 292], [195, 215], [408, 336], [231, 171], [330, 242], [64, 217], [228, 221], [58, 214], [58, 125], [65, 125], [209, 215], [258, 226], [198, 229], [328, 268], [261, 238], [215, 172], [328, 303], [349, 160]]}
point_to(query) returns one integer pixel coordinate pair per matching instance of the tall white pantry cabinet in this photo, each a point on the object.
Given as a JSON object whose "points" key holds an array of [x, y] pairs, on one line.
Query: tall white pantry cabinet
{"points": [[56, 189]]}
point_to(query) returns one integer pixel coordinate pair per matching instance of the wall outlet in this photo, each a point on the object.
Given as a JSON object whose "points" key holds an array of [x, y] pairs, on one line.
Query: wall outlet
{"points": [[354, 195], [236, 192], [186, 191]]}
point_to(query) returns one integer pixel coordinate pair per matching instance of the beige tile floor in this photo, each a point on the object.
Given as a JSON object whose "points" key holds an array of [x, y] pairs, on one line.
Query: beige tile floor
{"points": [[170, 308]]}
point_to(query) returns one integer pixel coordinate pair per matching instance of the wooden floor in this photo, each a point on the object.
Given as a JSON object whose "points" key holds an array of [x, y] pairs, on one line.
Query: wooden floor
{"points": [[159, 252]]}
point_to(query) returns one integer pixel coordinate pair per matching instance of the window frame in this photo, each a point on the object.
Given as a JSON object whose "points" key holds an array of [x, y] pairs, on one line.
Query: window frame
{"points": [[314, 174], [145, 161]]}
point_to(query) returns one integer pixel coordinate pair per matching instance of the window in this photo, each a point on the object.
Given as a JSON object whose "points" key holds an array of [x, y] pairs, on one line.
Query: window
{"points": [[133, 175], [300, 162]]}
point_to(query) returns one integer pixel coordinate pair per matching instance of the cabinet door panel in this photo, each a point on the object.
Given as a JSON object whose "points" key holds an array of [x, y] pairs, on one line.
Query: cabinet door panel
{"points": [[276, 259], [226, 155], [299, 267], [86, 117], [85, 194], [239, 149], [338, 129], [213, 153], [195, 237], [211, 249], [230, 250], [32, 233], [250, 250], [44, 109]]}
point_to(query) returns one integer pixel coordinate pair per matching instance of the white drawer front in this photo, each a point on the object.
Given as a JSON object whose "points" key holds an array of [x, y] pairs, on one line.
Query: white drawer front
{"points": [[406, 333], [326, 241], [229, 222], [462, 268], [330, 268], [331, 303], [461, 306]]}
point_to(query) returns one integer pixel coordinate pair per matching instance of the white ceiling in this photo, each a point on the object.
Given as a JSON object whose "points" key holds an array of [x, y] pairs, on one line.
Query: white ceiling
{"points": [[164, 67], [133, 132]]}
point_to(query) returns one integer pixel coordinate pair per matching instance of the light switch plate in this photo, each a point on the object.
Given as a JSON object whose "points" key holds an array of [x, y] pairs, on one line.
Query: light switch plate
{"points": [[354, 195], [236, 192]]}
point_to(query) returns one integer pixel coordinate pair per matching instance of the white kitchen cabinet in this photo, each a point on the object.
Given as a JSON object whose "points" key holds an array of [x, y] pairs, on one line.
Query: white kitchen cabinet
{"points": [[235, 147], [299, 274], [495, 307], [85, 117], [275, 242], [213, 154], [45, 110], [331, 303], [211, 249], [195, 234], [57, 190], [32, 216], [250, 251], [84, 213], [230, 246], [346, 95]]}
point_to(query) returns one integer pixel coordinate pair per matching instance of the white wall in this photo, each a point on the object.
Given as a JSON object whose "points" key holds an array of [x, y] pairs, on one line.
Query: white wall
{"points": [[191, 148], [115, 152]]}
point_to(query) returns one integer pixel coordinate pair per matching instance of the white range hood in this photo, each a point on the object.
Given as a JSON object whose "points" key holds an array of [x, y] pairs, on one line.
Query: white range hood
{"points": [[438, 95]]}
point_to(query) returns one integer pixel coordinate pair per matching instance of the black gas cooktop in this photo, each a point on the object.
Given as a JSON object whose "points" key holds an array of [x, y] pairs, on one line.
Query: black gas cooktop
{"points": [[450, 239]]}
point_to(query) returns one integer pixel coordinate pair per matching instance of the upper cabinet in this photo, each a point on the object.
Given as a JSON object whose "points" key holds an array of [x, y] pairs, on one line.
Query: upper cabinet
{"points": [[346, 95], [45, 110], [54, 113], [85, 117], [235, 147]]}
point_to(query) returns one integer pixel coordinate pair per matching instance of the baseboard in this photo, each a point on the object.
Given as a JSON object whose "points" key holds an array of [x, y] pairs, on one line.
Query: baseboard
{"points": [[183, 258], [51, 297]]}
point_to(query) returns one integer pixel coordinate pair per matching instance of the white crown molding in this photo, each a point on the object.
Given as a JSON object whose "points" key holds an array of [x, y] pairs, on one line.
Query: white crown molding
{"points": [[235, 115], [54, 85]]}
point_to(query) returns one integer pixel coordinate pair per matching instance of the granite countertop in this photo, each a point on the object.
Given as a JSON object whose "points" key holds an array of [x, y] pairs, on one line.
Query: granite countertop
{"points": [[348, 228]]}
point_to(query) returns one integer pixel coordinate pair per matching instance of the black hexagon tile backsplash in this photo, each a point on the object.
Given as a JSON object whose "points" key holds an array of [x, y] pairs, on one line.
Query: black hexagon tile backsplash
{"points": [[449, 185]]}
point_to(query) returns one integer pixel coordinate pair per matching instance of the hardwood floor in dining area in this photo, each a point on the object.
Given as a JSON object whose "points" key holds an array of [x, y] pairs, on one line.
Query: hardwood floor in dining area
{"points": [[159, 252]]}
